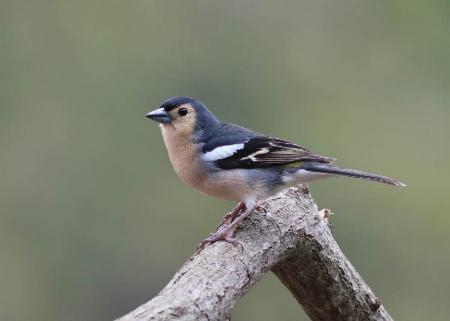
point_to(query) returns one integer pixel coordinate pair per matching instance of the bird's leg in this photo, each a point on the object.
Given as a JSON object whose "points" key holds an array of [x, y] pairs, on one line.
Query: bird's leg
{"points": [[232, 214], [225, 233]]}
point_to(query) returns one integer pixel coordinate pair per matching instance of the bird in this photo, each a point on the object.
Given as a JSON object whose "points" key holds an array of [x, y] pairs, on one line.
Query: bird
{"points": [[228, 161]]}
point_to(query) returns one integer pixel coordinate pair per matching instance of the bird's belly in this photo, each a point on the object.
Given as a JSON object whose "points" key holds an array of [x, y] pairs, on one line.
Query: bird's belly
{"points": [[229, 185]]}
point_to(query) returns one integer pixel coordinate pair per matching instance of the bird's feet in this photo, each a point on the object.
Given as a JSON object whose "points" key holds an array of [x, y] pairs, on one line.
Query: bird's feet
{"points": [[222, 234], [225, 231], [231, 216]]}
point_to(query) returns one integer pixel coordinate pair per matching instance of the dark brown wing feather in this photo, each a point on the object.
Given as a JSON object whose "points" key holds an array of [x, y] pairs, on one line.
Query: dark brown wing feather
{"points": [[266, 151]]}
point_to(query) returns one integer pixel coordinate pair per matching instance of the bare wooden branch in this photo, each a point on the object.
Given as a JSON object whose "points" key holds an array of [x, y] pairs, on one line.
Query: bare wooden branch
{"points": [[294, 241]]}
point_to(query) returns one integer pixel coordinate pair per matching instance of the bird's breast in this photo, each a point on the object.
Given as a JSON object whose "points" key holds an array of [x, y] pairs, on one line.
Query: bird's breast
{"points": [[184, 156]]}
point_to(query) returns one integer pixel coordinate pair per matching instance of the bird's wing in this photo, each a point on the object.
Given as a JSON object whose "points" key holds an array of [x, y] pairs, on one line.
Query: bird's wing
{"points": [[258, 152]]}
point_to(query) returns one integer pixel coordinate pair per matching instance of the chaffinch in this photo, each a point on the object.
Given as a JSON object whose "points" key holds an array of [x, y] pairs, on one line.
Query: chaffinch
{"points": [[227, 161]]}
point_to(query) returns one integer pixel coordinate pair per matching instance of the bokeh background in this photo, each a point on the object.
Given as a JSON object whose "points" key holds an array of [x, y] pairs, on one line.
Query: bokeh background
{"points": [[94, 222]]}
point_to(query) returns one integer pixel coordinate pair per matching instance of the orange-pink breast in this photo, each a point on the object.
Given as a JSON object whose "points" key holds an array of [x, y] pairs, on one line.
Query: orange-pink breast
{"points": [[183, 154]]}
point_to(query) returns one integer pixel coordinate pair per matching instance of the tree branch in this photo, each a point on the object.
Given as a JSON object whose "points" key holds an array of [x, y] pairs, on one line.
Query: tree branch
{"points": [[294, 241]]}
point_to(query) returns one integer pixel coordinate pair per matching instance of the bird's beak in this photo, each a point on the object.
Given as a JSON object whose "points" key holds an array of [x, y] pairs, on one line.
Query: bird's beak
{"points": [[159, 115]]}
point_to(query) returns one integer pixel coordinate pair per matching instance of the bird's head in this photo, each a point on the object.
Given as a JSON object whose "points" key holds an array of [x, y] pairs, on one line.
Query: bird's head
{"points": [[184, 115]]}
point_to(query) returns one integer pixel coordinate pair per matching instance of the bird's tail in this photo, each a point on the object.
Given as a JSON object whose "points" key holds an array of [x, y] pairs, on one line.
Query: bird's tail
{"points": [[334, 170]]}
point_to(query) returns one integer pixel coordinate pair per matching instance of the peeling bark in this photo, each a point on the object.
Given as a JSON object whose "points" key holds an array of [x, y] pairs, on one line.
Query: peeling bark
{"points": [[290, 238]]}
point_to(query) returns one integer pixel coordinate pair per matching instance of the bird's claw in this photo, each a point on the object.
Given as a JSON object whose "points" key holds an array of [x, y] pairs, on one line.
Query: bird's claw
{"points": [[220, 235], [231, 216], [225, 232]]}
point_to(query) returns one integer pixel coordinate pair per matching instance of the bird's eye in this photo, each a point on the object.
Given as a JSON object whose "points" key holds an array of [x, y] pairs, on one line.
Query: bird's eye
{"points": [[182, 111]]}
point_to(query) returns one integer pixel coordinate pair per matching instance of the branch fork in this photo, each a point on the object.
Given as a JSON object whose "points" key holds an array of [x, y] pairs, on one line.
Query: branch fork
{"points": [[293, 240]]}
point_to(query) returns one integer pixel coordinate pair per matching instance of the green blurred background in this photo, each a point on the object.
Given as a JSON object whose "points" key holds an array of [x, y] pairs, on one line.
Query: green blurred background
{"points": [[93, 220]]}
